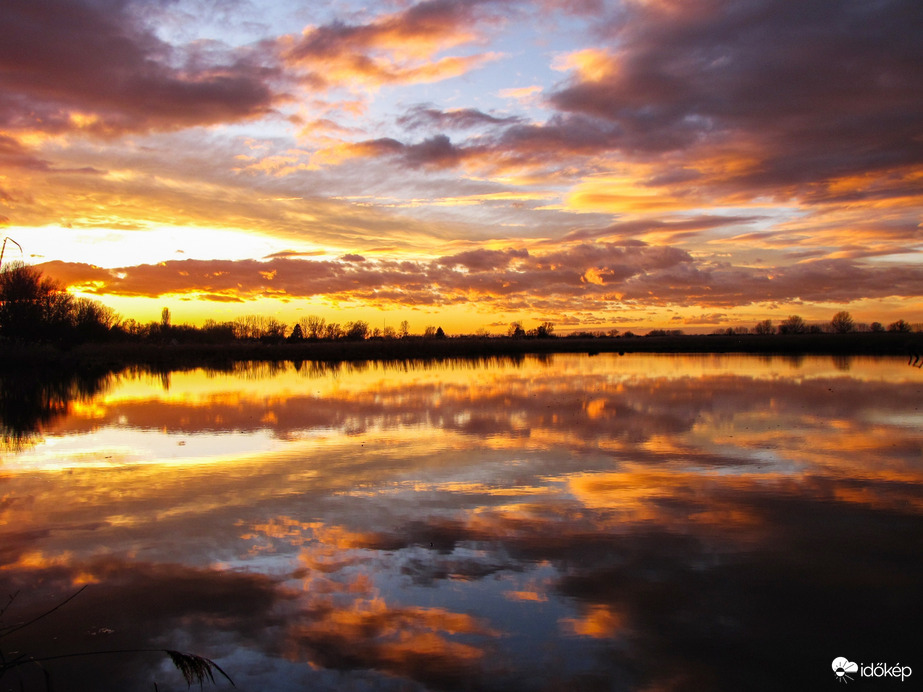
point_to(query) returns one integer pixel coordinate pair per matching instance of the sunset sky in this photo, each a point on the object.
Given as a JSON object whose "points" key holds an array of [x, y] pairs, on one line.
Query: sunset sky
{"points": [[689, 164]]}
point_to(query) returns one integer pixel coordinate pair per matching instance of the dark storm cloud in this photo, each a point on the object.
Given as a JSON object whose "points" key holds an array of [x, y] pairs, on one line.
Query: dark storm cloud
{"points": [[93, 59], [818, 89]]}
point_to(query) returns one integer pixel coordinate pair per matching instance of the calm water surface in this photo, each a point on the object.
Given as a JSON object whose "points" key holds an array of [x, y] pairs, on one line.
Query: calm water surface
{"points": [[640, 522]]}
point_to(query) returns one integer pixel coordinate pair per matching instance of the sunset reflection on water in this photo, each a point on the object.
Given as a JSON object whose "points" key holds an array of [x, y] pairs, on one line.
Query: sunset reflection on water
{"points": [[568, 522]]}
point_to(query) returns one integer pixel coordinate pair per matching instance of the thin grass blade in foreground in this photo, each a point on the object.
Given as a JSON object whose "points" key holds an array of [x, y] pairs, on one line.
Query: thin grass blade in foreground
{"points": [[196, 668]]}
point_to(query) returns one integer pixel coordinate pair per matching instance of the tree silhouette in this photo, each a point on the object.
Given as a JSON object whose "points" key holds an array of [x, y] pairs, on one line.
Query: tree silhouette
{"points": [[842, 323], [356, 331], [32, 307], [899, 326], [765, 327], [544, 330], [793, 325], [297, 334]]}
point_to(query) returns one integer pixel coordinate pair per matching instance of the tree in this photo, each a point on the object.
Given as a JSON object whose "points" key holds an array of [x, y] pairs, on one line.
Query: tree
{"points": [[404, 330], [333, 331], [899, 326], [32, 306], [764, 327], [439, 333], [297, 333], [429, 332], [259, 328], [544, 330], [356, 331], [842, 323], [165, 318], [91, 320], [515, 330], [313, 326], [793, 325], [876, 327]]}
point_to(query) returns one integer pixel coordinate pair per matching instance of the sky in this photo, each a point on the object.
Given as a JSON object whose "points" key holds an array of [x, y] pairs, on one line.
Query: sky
{"points": [[599, 164]]}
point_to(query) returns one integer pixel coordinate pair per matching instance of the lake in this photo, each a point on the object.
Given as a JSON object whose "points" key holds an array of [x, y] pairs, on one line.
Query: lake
{"points": [[567, 522]]}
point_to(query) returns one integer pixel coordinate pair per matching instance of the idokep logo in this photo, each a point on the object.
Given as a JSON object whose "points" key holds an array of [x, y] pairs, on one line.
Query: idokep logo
{"points": [[842, 667]]}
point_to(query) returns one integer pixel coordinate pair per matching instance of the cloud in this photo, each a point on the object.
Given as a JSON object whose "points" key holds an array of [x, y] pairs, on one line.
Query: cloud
{"points": [[456, 118], [434, 152], [482, 260], [70, 65], [14, 155], [812, 92], [601, 276], [844, 665], [724, 102], [397, 48]]}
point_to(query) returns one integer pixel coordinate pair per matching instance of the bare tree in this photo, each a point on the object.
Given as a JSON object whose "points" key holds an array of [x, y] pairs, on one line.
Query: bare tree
{"points": [[32, 306], [842, 323], [544, 330], [764, 327], [258, 327], [333, 331], [313, 326], [793, 325], [356, 331]]}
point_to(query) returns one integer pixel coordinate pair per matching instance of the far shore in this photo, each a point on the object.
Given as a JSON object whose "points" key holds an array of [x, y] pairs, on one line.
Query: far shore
{"points": [[172, 355]]}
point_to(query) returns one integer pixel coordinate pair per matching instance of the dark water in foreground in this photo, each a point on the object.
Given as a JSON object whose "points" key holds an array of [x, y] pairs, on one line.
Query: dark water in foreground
{"points": [[568, 523]]}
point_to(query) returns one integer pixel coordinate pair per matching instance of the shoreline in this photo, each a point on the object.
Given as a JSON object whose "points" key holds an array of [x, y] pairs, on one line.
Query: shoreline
{"points": [[126, 354]]}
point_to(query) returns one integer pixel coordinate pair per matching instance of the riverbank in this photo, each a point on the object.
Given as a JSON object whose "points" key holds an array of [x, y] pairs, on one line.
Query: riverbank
{"points": [[117, 355]]}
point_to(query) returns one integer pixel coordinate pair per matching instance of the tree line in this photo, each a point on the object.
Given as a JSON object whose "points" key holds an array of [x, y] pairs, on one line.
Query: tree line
{"points": [[36, 308], [841, 323]]}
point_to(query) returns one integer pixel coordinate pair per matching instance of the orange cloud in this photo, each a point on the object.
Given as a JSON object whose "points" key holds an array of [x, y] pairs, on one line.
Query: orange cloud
{"points": [[395, 48]]}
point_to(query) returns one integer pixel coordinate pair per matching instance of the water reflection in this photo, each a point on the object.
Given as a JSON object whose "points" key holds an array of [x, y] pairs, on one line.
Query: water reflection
{"points": [[637, 522], [32, 398]]}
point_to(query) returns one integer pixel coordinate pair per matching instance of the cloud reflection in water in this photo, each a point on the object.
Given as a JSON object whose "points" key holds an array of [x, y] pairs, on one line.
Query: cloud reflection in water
{"points": [[639, 522]]}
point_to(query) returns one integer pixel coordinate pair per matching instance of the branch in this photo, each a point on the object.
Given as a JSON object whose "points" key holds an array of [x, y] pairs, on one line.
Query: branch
{"points": [[45, 614]]}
